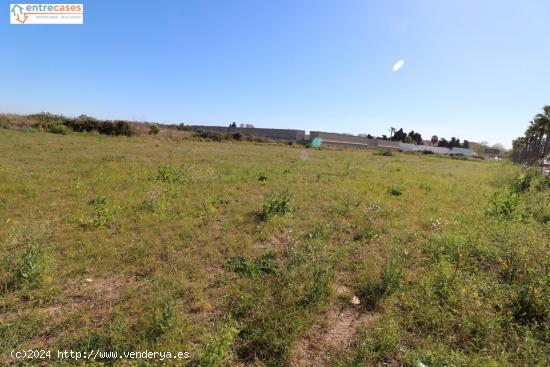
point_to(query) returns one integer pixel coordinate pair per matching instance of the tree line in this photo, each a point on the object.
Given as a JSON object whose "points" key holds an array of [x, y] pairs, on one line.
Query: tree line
{"points": [[416, 138], [534, 145]]}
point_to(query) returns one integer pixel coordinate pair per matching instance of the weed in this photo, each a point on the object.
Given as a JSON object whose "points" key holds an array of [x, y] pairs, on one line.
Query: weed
{"points": [[162, 320], [503, 205], [275, 205], [260, 266], [375, 345], [262, 178], [218, 349], [102, 214], [373, 290], [522, 182], [395, 190]]}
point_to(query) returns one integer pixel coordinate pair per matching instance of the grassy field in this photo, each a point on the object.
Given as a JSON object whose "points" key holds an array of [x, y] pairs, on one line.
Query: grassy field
{"points": [[251, 254]]}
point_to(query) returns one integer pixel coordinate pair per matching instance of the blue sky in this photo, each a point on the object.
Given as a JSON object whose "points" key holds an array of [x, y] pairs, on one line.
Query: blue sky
{"points": [[478, 70]]}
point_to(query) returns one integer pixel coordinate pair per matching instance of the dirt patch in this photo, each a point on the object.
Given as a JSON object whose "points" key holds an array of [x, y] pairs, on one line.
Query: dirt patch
{"points": [[280, 241], [335, 331]]}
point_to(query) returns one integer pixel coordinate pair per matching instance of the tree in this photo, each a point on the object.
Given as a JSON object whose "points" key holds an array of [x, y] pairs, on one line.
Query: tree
{"points": [[434, 140], [416, 137], [233, 124], [399, 135], [535, 144], [466, 144]]}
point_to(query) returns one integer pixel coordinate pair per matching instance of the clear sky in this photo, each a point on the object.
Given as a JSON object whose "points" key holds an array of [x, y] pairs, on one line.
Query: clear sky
{"points": [[475, 69]]}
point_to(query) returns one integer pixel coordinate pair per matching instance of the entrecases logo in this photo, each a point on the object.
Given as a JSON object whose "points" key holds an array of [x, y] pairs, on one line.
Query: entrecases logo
{"points": [[46, 13]]}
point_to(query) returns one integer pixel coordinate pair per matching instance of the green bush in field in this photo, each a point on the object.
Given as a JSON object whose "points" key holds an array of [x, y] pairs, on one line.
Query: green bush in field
{"points": [[386, 152], [276, 204], [503, 205], [102, 214], [167, 173], [396, 190], [522, 182], [25, 267], [154, 128]]}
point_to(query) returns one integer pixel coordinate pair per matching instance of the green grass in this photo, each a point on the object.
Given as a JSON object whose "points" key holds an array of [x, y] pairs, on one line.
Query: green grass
{"points": [[233, 250]]}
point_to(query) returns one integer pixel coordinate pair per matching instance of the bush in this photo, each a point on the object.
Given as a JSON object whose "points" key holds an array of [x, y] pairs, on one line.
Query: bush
{"points": [[154, 128], [102, 214], [31, 267], [503, 205], [395, 190], [531, 305], [26, 265], [166, 173], [275, 205], [210, 135], [55, 127], [183, 127], [522, 182], [385, 152]]}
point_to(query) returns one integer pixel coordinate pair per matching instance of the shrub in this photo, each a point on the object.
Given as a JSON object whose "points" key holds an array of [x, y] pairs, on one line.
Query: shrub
{"points": [[31, 267], [166, 173], [531, 305], [123, 128], [275, 205], [210, 135], [503, 205], [52, 127], [102, 214], [386, 152], [154, 128], [522, 182], [183, 127], [395, 190], [26, 265]]}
